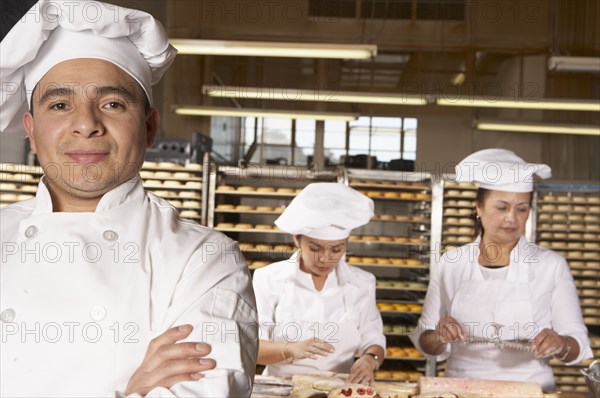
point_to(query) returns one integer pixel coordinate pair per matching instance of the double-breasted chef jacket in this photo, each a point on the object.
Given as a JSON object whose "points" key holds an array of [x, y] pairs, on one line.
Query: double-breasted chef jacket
{"points": [[82, 295], [538, 292], [343, 313]]}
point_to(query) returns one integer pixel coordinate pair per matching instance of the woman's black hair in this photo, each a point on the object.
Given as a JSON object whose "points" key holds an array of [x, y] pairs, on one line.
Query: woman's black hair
{"points": [[482, 194]]}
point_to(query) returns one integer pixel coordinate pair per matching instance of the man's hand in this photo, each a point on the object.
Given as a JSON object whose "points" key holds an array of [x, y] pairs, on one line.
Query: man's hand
{"points": [[448, 330], [362, 371], [167, 362], [309, 348]]}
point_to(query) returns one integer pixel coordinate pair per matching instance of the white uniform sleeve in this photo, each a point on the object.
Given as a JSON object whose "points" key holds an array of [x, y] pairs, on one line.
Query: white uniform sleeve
{"points": [[566, 312], [434, 308], [215, 295], [265, 304], [371, 325]]}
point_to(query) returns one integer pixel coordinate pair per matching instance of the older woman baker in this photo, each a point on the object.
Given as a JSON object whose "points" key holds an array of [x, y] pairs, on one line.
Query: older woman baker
{"points": [[501, 286]]}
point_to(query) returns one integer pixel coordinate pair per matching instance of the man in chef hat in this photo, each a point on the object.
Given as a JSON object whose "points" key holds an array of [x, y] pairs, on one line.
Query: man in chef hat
{"points": [[105, 290], [501, 286], [322, 309]]}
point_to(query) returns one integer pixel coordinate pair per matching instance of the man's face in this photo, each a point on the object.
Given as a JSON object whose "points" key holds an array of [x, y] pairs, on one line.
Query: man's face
{"points": [[89, 127]]}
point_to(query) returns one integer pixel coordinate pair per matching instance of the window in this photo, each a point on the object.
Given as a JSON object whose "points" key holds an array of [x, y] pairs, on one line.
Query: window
{"points": [[274, 140], [386, 138]]}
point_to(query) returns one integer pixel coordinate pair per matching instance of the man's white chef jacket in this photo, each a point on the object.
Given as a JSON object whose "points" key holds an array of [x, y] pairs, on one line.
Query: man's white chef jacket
{"points": [[82, 294]]}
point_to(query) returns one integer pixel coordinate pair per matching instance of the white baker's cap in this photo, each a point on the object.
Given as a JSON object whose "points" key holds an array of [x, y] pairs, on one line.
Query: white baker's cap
{"points": [[327, 211], [500, 170], [55, 31]]}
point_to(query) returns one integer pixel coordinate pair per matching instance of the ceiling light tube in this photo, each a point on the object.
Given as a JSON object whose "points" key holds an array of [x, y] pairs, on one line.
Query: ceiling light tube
{"points": [[574, 64], [547, 104], [276, 113], [537, 128], [299, 94], [274, 49]]}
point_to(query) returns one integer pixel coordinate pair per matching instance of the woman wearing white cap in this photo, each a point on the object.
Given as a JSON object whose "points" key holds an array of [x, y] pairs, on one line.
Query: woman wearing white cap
{"points": [[501, 286], [315, 311]]}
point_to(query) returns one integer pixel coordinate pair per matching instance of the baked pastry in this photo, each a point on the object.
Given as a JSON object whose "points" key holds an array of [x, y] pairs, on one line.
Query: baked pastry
{"points": [[167, 165], [593, 199], [191, 203], [193, 184], [413, 262], [193, 166], [385, 238], [263, 247], [165, 194], [465, 212], [369, 238], [149, 165], [468, 194], [264, 208], [401, 239], [172, 183], [244, 207], [225, 207], [354, 259], [189, 213], [176, 203], [163, 174], [146, 174], [225, 188], [407, 195], [245, 188], [263, 226], [189, 194], [383, 261], [153, 183], [24, 196], [243, 226], [423, 196], [390, 194], [453, 220], [225, 225], [562, 199], [182, 175]]}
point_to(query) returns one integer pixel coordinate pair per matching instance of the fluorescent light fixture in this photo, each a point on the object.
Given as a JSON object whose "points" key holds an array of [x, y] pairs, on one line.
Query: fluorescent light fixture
{"points": [[537, 128], [299, 94], [548, 104], [574, 64], [247, 112], [274, 49]]}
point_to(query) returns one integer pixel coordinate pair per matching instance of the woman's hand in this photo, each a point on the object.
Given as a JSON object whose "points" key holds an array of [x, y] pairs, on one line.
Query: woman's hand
{"points": [[362, 371], [308, 349], [167, 362], [448, 330], [548, 343]]}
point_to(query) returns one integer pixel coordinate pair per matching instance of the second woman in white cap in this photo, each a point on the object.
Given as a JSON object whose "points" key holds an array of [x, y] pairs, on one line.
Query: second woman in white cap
{"points": [[502, 287], [316, 311]]}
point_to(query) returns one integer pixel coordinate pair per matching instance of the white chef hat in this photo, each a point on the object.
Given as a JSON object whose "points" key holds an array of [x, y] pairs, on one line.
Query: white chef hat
{"points": [[327, 211], [55, 31], [500, 170]]}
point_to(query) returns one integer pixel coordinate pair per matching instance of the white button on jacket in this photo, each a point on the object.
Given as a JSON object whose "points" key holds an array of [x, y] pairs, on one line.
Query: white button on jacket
{"points": [[84, 293]]}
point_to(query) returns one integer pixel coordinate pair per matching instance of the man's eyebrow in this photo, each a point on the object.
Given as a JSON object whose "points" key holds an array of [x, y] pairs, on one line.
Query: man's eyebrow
{"points": [[56, 92], [117, 91]]}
